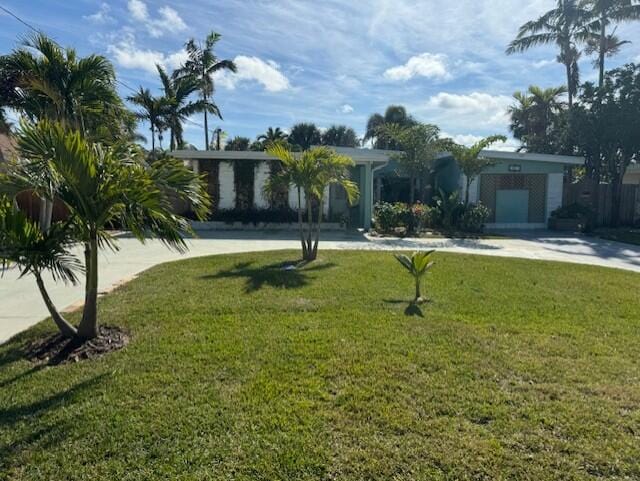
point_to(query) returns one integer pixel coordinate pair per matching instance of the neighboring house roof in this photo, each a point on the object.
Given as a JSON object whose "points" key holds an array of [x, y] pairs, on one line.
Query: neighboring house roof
{"points": [[358, 155], [533, 157]]}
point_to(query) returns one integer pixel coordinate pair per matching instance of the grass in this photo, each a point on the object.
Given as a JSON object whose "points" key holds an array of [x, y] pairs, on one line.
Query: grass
{"points": [[240, 370], [621, 234]]}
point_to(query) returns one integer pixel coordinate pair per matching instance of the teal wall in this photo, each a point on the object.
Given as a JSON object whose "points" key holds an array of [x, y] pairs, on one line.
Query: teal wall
{"points": [[527, 167]]}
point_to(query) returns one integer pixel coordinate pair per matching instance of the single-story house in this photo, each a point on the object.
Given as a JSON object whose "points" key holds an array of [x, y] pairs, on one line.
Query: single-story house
{"points": [[520, 189], [236, 180]]}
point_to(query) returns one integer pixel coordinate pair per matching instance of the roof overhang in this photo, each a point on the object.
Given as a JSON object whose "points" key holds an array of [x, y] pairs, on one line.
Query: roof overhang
{"points": [[533, 157]]}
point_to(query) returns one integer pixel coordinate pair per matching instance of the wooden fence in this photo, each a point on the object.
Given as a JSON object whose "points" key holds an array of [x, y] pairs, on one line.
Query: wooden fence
{"points": [[585, 193]]}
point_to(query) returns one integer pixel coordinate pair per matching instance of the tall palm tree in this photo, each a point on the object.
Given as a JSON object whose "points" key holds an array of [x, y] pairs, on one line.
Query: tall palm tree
{"points": [[304, 135], [564, 26], [201, 64], [99, 186], [177, 90], [54, 83], [272, 135], [340, 136], [394, 115], [310, 173], [153, 110], [602, 13]]}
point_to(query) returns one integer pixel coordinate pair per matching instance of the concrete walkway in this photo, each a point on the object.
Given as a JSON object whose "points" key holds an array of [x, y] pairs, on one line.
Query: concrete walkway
{"points": [[21, 305]]}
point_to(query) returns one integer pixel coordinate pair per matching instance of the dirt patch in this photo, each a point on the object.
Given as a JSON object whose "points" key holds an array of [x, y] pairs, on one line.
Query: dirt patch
{"points": [[57, 349]]}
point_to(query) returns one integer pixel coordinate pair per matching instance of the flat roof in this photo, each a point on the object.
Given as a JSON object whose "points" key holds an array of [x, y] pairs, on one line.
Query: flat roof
{"points": [[533, 157], [358, 155]]}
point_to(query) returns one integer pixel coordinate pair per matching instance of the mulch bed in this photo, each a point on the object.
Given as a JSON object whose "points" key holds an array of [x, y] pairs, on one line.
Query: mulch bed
{"points": [[57, 349]]}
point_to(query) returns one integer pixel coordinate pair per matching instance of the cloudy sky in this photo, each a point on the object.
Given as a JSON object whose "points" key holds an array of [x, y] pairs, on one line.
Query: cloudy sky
{"points": [[335, 61]]}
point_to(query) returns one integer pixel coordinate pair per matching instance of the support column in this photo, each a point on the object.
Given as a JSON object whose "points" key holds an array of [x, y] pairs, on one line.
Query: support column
{"points": [[367, 195], [227, 186], [261, 175]]}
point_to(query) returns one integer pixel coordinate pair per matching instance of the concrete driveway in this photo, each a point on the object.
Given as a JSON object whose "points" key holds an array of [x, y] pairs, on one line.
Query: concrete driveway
{"points": [[21, 305]]}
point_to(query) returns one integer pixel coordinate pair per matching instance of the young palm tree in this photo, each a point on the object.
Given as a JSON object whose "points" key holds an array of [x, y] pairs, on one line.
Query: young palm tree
{"points": [[177, 90], [602, 13], [564, 26], [201, 64], [304, 135], [340, 136], [153, 110], [99, 186], [472, 162], [394, 115], [272, 136], [418, 265], [310, 172]]}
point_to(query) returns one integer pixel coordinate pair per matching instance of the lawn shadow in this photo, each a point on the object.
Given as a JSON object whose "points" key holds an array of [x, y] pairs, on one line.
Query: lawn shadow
{"points": [[412, 309], [287, 275]]}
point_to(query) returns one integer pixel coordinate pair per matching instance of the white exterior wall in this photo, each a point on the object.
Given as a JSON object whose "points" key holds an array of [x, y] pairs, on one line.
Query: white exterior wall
{"points": [[227, 186], [325, 203], [261, 176], [554, 192]]}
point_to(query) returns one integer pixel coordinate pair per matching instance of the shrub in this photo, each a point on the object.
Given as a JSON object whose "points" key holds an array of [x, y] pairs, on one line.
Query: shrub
{"points": [[388, 217], [448, 210], [474, 218], [572, 211]]}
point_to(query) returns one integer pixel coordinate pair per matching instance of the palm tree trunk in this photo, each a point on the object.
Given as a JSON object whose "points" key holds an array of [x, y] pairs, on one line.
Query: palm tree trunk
{"points": [[65, 327], [567, 66], [601, 53], [206, 124], [153, 139], [317, 239], [418, 293], [467, 189], [300, 224], [310, 254], [88, 327]]}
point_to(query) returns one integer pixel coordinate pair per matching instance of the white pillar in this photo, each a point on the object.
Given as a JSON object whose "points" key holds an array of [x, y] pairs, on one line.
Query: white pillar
{"points": [[261, 175], [195, 166], [227, 186], [325, 203], [555, 183]]}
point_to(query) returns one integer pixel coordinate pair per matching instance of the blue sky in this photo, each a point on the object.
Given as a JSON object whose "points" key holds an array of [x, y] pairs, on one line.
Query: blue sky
{"points": [[326, 62]]}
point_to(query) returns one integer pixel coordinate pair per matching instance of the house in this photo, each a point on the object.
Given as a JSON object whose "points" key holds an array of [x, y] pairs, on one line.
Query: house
{"points": [[236, 181], [520, 189]]}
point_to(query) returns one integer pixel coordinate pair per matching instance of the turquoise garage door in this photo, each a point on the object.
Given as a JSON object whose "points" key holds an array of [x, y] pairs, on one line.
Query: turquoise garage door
{"points": [[512, 206]]}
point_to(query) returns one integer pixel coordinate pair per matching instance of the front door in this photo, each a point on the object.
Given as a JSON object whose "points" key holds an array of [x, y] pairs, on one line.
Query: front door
{"points": [[512, 206]]}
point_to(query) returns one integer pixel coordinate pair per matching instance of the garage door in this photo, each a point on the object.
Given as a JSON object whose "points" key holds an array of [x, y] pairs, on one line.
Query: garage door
{"points": [[512, 206]]}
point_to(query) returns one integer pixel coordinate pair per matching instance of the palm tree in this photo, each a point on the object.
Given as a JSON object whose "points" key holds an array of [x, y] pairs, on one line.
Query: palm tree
{"points": [[564, 26], [153, 110], [340, 136], [201, 64], [238, 143], [177, 90], [603, 13], [396, 115], [99, 186], [54, 83], [472, 162], [418, 265], [272, 135], [311, 173], [304, 135]]}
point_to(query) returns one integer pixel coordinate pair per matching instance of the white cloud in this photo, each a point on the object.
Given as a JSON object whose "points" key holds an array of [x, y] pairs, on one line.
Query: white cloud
{"points": [[253, 69], [346, 109], [543, 63], [168, 19], [489, 110], [424, 65], [102, 15], [127, 55]]}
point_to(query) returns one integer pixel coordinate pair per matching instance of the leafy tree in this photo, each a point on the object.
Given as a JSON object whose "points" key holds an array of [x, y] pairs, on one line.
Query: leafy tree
{"points": [[420, 145], [472, 162], [602, 14], [538, 119], [238, 143], [98, 185], [418, 265], [564, 26], [311, 172], [394, 115], [304, 135], [153, 109], [340, 136], [201, 64], [606, 127], [177, 90]]}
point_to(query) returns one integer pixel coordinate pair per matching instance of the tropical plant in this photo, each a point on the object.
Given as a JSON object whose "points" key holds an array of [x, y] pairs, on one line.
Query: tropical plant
{"points": [[99, 186], [272, 135], [448, 209], [303, 136], [418, 265], [394, 115], [472, 162], [538, 119], [153, 109], [421, 144], [202, 64], [177, 91], [238, 143], [340, 136], [601, 14], [310, 172], [565, 26]]}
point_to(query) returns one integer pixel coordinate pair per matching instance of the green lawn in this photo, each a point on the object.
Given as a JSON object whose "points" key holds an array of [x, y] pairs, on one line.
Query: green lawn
{"points": [[239, 370]]}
